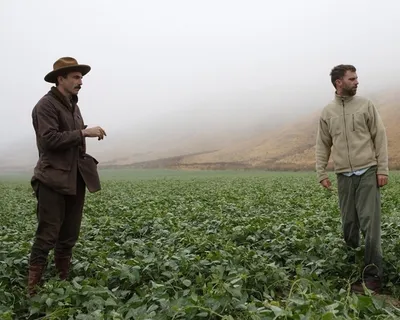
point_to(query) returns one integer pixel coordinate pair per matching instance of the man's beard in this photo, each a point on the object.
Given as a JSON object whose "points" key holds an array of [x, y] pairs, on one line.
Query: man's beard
{"points": [[349, 91]]}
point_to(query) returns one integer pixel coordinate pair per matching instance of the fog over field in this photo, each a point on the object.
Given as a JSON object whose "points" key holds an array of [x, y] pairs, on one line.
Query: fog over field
{"points": [[179, 77]]}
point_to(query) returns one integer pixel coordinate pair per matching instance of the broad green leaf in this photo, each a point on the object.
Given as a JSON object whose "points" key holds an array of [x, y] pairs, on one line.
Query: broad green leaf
{"points": [[187, 282], [202, 314]]}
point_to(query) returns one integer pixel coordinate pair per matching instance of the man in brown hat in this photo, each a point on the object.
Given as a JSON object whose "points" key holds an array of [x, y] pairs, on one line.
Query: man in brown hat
{"points": [[63, 170]]}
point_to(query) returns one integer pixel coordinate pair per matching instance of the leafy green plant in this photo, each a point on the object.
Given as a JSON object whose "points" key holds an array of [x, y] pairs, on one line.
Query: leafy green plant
{"points": [[240, 246]]}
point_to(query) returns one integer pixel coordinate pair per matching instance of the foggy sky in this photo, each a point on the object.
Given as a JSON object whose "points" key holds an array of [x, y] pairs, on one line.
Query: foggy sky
{"points": [[188, 63]]}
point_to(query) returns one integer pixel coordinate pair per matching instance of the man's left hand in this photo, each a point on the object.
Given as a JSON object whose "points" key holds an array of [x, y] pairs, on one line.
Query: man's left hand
{"points": [[382, 180]]}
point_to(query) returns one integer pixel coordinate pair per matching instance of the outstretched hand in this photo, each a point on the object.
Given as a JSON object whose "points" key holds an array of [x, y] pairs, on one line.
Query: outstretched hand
{"points": [[95, 132]]}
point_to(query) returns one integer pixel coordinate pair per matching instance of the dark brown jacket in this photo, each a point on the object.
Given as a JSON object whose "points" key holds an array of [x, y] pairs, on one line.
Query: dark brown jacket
{"points": [[61, 146]]}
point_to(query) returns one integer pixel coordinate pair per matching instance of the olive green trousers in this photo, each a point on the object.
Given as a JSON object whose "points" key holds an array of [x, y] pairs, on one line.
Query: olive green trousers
{"points": [[360, 206]]}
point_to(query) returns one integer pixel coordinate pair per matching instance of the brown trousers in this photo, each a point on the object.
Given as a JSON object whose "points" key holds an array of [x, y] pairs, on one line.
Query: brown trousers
{"points": [[59, 221]]}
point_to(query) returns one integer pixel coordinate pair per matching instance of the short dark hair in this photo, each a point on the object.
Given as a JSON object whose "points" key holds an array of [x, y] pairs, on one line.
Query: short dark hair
{"points": [[339, 71], [64, 75]]}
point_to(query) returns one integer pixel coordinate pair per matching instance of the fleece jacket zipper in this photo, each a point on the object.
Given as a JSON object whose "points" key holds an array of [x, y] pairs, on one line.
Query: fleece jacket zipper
{"points": [[347, 140]]}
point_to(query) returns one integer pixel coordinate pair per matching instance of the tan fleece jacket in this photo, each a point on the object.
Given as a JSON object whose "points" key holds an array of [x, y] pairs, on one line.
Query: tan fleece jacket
{"points": [[351, 129]]}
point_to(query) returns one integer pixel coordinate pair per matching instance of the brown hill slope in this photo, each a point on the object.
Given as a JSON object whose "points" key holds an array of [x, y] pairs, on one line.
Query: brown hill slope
{"points": [[285, 148], [290, 147]]}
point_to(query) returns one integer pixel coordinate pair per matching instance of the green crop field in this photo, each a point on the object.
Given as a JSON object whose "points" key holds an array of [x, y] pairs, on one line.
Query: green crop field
{"points": [[203, 245]]}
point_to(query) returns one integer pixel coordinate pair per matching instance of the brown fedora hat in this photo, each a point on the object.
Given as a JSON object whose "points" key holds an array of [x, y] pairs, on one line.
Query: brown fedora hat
{"points": [[65, 64]]}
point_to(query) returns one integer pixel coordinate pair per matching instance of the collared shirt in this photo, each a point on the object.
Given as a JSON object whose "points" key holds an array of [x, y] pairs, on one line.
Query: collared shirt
{"points": [[357, 172]]}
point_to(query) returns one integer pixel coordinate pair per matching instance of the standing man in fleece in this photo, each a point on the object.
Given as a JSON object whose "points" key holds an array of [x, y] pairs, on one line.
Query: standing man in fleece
{"points": [[351, 129], [63, 170]]}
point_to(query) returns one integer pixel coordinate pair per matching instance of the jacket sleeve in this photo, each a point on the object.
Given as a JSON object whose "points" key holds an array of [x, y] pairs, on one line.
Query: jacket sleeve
{"points": [[379, 138], [49, 136], [322, 149]]}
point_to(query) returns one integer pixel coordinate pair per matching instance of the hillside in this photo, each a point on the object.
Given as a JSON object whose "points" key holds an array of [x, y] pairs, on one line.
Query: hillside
{"points": [[273, 143], [290, 147], [167, 135]]}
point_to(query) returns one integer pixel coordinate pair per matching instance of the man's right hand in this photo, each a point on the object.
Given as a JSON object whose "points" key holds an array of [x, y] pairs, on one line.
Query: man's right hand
{"points": [[326, 183], [95, 132]]}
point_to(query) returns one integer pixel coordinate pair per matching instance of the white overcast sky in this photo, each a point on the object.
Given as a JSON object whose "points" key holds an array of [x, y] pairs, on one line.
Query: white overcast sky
{"points": [[156, 61]]}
